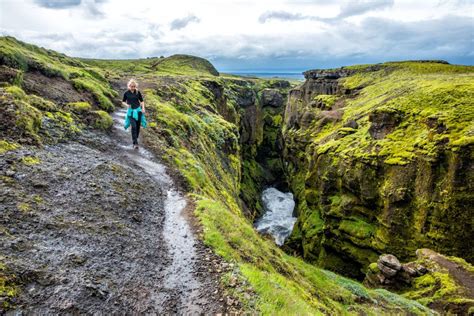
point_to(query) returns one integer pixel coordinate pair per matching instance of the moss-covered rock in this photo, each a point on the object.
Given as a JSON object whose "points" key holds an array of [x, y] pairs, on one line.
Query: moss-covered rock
{"points": [[102, 120], [397, 142], [445, 284]]}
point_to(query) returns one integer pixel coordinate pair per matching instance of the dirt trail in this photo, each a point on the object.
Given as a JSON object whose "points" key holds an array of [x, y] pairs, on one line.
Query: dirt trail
{"points": [[192, 294], [98, 228]]}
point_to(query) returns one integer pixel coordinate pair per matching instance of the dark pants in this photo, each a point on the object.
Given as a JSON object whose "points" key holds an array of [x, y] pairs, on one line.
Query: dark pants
{"points": [[136, 127]]}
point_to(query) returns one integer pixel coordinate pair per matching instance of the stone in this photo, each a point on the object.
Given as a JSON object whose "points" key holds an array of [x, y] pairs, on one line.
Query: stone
{"points": [[352, 124], [410, 268], [271, 97], [390, 261], [386, 271]]}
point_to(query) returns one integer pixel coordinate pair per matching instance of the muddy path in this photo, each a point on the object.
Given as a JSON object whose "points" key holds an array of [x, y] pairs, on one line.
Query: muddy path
{"points": [[193, 291], [95, 227]]}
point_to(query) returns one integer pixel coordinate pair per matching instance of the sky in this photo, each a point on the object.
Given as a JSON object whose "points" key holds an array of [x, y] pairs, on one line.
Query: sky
{"points": [[254, 35]]}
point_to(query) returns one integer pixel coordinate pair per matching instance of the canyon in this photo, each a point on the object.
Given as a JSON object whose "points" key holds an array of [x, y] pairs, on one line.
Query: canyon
{"points": [[377, 157]]}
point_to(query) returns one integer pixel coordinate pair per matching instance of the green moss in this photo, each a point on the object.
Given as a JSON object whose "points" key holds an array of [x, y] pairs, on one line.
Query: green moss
{"points": [[80, 107], [84, 84], [180, 65], [102, 120], [9, 288], [7, 146], [23, 207], [433, 287], [405, 187], [30, 160], [357, 228], [327, 100], [27, 57], [16, 91]]}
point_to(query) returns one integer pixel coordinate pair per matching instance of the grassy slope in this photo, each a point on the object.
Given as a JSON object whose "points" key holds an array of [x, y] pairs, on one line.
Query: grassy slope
{"points": [[418, 92], [38, 120], [204, 147], [175, 65]]}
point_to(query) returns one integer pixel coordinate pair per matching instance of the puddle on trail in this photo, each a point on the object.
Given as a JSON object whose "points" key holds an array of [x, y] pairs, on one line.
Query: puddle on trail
{"points": [[179, 276]]}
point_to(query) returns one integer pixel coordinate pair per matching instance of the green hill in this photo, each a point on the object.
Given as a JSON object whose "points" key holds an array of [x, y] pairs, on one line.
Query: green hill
{"points": [[173, 65]]}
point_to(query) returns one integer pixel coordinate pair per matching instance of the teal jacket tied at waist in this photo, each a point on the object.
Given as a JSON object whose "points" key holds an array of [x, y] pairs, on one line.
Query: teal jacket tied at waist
{"points": [[134, 113]]}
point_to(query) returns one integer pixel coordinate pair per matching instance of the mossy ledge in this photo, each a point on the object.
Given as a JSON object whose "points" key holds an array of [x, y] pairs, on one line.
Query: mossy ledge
{"points": [[383, 165]]}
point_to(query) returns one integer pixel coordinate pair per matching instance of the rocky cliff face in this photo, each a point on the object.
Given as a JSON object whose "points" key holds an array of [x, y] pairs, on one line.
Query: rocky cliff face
{"points": [[380, 160], [261, 108]]}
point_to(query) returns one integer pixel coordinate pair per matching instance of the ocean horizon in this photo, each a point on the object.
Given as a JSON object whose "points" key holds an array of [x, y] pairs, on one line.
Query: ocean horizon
{"points": [[294, 75]]}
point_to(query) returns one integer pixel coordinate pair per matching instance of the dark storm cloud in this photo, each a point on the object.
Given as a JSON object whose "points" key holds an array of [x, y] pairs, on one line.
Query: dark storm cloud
{"points": [[178, 24]]}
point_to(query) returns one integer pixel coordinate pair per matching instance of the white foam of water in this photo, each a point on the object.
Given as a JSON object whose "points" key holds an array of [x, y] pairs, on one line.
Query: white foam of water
{"points": [[278, 220]]}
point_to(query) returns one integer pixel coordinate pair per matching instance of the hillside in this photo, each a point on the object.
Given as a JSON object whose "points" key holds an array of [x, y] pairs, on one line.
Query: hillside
{"points": [[172, 65], [223, 139]]}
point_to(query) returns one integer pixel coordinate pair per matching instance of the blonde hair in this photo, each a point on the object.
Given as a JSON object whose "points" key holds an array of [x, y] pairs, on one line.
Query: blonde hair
{"points": [[132, 81]]}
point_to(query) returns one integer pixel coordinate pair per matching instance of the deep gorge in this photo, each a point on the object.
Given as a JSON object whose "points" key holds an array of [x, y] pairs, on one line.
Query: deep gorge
{"points": [[352, 208]]}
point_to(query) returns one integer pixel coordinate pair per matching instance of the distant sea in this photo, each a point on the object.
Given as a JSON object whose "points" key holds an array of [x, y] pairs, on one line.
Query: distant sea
{"points": [[297, 75]]}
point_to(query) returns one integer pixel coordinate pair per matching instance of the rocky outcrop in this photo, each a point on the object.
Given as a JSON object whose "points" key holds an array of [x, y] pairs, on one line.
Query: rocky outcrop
{"points": [[388, 272], [271, 97], [375, 170], [443, 283]]}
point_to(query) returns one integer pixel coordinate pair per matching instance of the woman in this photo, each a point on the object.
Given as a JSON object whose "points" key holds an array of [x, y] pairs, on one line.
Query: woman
{"points": [[133, 100]]}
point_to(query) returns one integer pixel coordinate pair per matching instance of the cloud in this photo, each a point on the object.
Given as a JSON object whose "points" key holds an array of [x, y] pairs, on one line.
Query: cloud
{"points": [[178, 24], [90, 7], [353, 8], [57, 4], [243, 40], [348, 9], [283, 16]]}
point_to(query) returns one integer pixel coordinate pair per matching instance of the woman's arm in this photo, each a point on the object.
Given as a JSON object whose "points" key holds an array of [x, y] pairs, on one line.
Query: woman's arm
{"points": [[124, 99], [142, 102]]}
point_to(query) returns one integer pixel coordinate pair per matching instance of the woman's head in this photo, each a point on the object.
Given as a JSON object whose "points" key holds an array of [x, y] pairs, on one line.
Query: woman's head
{"points": [[132, 84]]}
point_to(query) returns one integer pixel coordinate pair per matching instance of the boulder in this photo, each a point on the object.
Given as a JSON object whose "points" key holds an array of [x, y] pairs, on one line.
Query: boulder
{"points": [[390, 261], [387, 271], [271, 97]]}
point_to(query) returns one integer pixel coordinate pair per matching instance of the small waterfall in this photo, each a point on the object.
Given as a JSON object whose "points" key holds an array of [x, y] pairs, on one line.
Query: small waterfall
{"points": [[278, 218]]}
